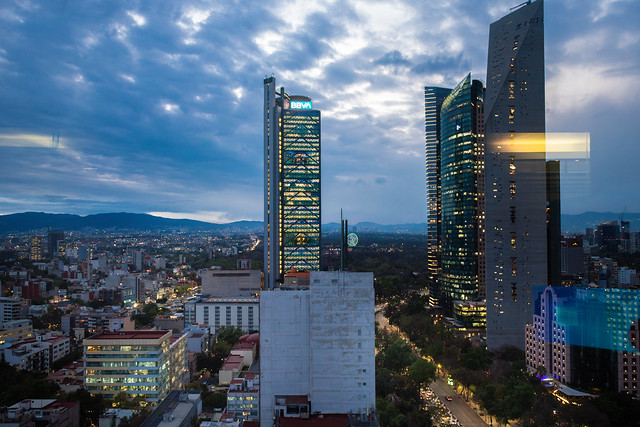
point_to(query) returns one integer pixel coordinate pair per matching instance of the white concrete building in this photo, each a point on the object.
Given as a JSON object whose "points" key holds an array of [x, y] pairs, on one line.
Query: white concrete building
{"points": [[218, 312], [319, 343]]}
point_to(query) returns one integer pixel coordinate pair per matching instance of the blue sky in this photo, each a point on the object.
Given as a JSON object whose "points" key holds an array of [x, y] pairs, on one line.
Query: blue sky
{"points": [[158, 104]]}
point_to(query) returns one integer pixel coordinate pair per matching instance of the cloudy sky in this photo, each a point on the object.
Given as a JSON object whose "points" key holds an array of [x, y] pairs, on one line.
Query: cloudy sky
{"points": [[156, 106]]}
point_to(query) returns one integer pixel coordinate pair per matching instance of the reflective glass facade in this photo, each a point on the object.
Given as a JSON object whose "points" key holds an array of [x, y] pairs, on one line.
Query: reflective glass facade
{"points": [[292, 184], [433, 97], [300, 190], [461, 166]]}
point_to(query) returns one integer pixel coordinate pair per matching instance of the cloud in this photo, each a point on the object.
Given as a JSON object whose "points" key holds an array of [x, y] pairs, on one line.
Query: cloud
{"points": [[159, 104]]}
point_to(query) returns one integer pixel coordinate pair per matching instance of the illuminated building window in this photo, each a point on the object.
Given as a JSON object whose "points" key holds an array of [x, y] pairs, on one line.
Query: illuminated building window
{"points": [[513, 240], [514, 268], [512, 190]]}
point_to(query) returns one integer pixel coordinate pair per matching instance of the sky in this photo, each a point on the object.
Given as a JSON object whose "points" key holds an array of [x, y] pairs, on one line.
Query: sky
{"points": [[156, 106]]}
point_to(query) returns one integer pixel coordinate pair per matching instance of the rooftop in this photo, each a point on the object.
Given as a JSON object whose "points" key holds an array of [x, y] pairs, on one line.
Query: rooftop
{"points": [[233, 362], [130, 335]]}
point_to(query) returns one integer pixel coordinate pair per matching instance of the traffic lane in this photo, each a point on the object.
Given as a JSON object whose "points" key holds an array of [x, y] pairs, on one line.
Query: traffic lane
{"points": [[465, 415]]}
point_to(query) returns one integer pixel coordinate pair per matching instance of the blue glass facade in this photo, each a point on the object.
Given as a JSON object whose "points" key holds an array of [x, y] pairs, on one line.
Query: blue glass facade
{"points": [[433, 98], [461, 149]]}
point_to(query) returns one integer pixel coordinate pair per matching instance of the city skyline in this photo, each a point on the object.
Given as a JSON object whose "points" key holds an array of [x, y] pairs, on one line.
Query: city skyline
{"points": [[158, 109]]}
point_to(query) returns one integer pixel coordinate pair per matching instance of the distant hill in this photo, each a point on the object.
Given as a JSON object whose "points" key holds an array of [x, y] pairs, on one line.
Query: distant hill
{"points": [[39, 221], [33, 221], [372, 227]]}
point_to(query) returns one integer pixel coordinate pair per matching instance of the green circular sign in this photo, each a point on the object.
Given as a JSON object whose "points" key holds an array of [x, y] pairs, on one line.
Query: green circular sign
{"points": [[352, 239]]}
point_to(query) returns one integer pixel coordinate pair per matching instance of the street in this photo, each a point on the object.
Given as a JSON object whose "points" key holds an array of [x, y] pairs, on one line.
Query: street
{"points": [[466, 415]]}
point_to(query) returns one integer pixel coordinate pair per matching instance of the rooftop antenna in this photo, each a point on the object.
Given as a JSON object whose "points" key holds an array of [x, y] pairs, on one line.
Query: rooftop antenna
{"points": [[521, 4]]}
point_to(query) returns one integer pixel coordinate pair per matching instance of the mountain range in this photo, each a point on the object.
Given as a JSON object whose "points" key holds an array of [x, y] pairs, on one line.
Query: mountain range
{"points": [[39, 221]]}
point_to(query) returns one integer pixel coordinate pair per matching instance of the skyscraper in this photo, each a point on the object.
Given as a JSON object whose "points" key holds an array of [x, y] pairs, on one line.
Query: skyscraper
{"points": [[292, 183], [461, 181], [515, 173], [433, 97]]}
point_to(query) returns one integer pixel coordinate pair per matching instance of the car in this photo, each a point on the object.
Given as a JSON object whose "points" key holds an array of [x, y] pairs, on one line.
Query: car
{"points": [[449, 398]]}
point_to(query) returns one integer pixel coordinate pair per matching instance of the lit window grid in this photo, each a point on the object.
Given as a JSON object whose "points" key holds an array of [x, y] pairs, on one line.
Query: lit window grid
{"points": [[459, 196], [300, 191]]}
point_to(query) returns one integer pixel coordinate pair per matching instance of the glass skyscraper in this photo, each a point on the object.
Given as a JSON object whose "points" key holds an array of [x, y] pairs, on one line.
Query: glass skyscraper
{"points": [[292, 184], [461, 180], [433, 97]]}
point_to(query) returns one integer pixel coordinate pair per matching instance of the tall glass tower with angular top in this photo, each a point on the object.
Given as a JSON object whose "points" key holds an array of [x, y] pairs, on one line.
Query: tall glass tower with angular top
{"points": [[461, 275], [292, 184], [515, 173]]}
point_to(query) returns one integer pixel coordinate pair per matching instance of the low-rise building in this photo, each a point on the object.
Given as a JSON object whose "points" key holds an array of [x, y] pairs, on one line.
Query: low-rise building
{"points": [[243, 397], [42, 412], [97, 321], [16, 329], [31, 356], [176, 410]]}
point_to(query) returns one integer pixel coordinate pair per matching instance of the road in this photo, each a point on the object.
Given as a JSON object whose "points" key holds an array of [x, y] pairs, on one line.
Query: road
{"points": [[466, 415]]}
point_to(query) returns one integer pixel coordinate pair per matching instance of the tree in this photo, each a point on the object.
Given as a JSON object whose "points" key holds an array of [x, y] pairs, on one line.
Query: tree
{"points": [[476, 358], [397, 356], [229, 334], [388, 414], [217, 399], [91, 406], [422, 372]]}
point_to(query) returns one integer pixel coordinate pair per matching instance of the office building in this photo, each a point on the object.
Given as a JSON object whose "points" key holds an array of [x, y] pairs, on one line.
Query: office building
{"points": [[216, 313], [587, 338], [9, 309], [53, 239], [292, 184], [317, 348], [433, 98], [178, 362], [607, 236], [515, 173], [138, 363], [35, 248], [462, 196], [230, 283]]}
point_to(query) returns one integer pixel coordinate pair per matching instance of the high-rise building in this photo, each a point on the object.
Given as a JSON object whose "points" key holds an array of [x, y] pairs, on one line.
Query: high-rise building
{"points": [[462, 196], [292, 184], [317, 348], [433, 98], [35, 248], [515, 173], [53, 239]]}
